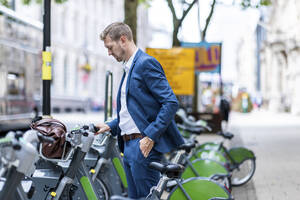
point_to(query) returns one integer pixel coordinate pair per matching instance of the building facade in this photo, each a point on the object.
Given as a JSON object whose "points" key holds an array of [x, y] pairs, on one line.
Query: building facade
{"points": [[279, 56], [80, 61]]}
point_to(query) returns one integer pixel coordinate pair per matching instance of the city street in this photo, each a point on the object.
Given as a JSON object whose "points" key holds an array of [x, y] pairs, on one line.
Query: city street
{"points": [[275, 140], [273, 137], [67, 58]]}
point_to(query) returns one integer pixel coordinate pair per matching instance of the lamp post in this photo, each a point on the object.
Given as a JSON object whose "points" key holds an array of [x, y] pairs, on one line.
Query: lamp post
{"points": [[46, 68]]}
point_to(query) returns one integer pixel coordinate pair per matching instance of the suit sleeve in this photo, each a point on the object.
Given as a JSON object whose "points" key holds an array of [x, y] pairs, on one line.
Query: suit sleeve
{"points": [[160, 89], [113, 126]]}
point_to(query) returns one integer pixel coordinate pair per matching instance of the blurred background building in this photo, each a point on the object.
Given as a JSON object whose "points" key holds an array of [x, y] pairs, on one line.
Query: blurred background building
{"points": [[259, 57], [279, 56], [79, 59]]}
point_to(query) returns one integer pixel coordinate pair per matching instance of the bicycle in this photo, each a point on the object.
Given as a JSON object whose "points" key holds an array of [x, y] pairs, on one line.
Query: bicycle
{"points": [[240, 161], [18, 155], [68, 178], [105, 162], [203, 167], [192, 188]]}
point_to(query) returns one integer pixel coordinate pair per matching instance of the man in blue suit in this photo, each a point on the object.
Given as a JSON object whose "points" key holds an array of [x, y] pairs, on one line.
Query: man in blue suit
{"points": [[146, 106]]}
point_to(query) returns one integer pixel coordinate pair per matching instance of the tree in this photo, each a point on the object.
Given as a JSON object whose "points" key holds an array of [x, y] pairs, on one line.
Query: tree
{"points": [[186, 5], [177, 22], [130, 10]]}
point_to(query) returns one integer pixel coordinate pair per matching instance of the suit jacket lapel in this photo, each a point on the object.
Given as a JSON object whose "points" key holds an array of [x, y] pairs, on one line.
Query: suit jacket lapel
{"points": [[119, 93], [137, 55]]}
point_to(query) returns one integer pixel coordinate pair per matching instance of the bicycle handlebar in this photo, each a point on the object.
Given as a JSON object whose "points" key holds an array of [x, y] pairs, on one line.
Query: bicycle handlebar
{"points": [[196, 130], [226, 135], [45, 139]]}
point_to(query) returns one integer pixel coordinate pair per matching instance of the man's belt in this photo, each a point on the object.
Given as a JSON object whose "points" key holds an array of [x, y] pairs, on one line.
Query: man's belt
{"points": [[132, 136]]}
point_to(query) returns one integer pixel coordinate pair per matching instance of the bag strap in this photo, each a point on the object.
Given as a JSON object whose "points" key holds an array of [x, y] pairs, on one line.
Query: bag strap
{"points": [[47, 120]]}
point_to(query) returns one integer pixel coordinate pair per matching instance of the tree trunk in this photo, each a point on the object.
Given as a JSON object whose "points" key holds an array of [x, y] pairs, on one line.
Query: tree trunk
{"points": [[178, 22], [176, 42], [130, 7], [212, 8]]}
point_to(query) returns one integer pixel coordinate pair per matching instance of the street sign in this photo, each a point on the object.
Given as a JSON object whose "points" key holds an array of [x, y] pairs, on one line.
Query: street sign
{"points": [[178, 64], [207, 56]]}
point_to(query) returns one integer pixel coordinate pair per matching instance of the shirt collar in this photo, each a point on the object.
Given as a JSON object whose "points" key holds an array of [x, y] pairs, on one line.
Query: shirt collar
{"points": [[128, 64]]}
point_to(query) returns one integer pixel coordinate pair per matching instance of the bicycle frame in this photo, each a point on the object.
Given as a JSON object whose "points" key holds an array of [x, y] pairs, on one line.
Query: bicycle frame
{"points": [[106, 163]]}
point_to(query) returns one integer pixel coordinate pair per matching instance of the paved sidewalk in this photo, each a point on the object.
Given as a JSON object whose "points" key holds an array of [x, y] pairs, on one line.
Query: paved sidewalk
{"points": [[275, 140]]}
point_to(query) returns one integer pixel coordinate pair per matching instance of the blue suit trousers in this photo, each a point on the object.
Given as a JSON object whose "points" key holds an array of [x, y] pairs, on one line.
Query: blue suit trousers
{"points": [[140, 177]]}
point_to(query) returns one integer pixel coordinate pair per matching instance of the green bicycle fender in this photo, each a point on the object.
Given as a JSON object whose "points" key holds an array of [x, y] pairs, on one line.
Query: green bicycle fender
{"points": [[120, 170], [209, 146], [205, 168], [199, 189], [212, 154], [240, 154], [88, 189]]}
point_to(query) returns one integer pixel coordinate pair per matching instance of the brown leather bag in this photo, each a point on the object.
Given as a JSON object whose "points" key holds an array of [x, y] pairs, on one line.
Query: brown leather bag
{"points": [[55, 129]]}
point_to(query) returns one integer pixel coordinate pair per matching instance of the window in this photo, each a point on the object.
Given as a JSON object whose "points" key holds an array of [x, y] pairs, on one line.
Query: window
{"points": [[65, 73], [3, 83], [15, 84]]}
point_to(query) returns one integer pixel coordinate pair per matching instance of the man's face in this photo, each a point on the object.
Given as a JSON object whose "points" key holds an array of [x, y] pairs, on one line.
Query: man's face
{"points": [[115, 49]]}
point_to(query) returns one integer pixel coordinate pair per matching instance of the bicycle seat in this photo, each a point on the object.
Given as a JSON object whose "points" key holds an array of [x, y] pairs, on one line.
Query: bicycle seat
{"points": [[187, 146], [171, 170], [226, 135]]}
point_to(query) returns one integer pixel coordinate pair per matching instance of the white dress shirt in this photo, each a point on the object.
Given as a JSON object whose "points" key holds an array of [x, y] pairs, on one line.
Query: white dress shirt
{"points": [[127, 125]]}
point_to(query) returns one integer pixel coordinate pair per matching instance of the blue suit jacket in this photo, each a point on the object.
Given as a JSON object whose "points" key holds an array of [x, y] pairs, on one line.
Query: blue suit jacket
{"points": [[151, 104]]}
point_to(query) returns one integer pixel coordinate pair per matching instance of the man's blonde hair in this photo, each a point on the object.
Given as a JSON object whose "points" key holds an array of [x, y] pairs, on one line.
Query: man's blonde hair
{"points": [[116, 30]]}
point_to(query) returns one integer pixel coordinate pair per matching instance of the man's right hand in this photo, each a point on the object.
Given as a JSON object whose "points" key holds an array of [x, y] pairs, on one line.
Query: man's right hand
{"points": [[102, 128]]}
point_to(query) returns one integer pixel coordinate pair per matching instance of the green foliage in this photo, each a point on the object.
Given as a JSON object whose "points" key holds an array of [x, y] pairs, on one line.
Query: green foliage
{"points": [[265, 2], [27, 2], [60, 1], [5, 3], [249, 4], [145, 2]]}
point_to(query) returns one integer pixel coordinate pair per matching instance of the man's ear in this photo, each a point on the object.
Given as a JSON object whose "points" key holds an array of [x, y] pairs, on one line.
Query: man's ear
{"points": [[123, 39]]}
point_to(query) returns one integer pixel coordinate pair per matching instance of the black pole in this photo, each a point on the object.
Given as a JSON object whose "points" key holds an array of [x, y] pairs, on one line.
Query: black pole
{"points": [[108, 100], [111, 95], [46, 73]]}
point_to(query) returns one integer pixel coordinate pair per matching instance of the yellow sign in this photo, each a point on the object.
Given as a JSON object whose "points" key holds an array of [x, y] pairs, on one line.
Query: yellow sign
{"points": [[178, 64], [46, 68]]}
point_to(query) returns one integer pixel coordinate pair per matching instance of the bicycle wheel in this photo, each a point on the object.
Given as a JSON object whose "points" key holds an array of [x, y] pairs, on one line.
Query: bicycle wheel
{"points": [[73, 192], [101, 189], [243, 173]]}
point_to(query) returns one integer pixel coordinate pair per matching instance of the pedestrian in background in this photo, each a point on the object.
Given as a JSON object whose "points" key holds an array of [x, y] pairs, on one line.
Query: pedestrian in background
{"points": [[146, 106], [224, 111]]}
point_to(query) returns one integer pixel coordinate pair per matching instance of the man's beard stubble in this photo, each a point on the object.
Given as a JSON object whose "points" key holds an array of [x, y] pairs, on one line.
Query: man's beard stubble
{"points": [[121, 58]]}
